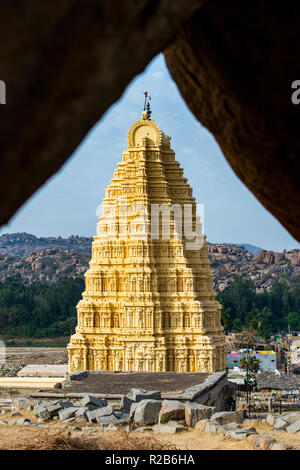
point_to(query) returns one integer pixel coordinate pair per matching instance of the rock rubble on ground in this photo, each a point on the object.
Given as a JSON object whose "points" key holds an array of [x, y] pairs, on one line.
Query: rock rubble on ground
{"points": [[146, 411]]}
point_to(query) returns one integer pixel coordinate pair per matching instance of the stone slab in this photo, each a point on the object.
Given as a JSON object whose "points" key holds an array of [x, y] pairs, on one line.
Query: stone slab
{"points": [[195, 412], [293, 428], [43, 370], [226, 417], [28, 382], [168, 428], [137, 395], [147, 412], [111, 383], [171, 409], [280, 424]]}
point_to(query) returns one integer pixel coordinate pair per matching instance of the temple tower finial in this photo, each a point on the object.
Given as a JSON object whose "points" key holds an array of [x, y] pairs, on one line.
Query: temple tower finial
{"points": [[146, 114]]}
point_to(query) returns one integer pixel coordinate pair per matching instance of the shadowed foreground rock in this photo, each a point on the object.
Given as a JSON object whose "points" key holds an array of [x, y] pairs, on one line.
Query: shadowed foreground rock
{"points": [[64, 64], [234, 63]]}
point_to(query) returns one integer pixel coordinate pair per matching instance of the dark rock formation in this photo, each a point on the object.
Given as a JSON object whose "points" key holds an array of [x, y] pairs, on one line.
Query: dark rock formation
{"points": [[234, 63], [64, 63]]}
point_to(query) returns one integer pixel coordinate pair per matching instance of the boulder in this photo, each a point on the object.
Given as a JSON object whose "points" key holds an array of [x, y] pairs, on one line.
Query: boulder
{"points": [[278, 446], [67, 413], [81, 413], [200, 425], [280, 424], [195, 412], [291, 417], [44, 414], [212, 42], [124, 415], [227, 427], [168, 428], [88, 400], [262, 441], [108, 420], [126, 403], [171, 409], [53, 410], [58, 386], [132, 410], [105, 411], [226, 417], [147, 412], [41, 406], [92, 415], [22, 421], [241, 433], [294, 427], [21, 402], [270, 419], [65, 404], [137, 395], [221, 430], [70, 420], [212, 427]]}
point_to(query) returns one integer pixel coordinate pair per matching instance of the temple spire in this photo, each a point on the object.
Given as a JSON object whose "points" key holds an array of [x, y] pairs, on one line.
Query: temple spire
{"points": [[148, 303]]}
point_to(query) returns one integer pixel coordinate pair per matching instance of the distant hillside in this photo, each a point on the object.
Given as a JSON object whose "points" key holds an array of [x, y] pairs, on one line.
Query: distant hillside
{"points": [[49, 259], [263, 268], [254, 250], [23, 244]]}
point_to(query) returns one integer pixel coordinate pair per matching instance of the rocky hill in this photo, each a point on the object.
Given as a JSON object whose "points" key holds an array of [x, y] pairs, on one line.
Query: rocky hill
{"points": [[263, 268], [23, 244], [49, 259]]}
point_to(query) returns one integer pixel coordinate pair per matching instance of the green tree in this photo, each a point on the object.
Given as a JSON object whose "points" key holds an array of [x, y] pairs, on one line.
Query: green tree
{"points": [[293, 320], [249, 363]]}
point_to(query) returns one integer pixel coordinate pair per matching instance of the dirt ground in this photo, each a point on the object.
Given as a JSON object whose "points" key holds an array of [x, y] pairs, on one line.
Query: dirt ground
{"points": [[33, 355], [19, 437]]}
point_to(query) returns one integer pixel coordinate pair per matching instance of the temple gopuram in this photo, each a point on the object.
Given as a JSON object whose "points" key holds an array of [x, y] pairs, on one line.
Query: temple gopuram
{"points": [[148, 303]]}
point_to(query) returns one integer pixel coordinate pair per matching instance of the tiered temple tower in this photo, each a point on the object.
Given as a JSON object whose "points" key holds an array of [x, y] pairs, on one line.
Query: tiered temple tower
{"points": [[148, 303]]}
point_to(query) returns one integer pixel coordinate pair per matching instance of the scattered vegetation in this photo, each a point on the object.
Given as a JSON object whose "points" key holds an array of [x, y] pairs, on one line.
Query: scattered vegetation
{"points": [[118, 441]]}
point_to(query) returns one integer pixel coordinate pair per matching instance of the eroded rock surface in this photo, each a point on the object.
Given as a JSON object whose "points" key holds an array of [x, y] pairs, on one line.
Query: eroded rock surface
{"points": [[64, 64], [234, 64]]}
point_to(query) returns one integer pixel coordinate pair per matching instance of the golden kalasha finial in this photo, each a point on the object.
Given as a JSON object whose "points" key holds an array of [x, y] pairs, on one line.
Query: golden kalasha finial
{"points": [[146, 114]]}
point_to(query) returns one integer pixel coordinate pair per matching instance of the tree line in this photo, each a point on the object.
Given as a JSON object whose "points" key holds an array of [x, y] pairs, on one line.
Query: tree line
{"points": [[268, 312], [49, 310], [39, 310]]}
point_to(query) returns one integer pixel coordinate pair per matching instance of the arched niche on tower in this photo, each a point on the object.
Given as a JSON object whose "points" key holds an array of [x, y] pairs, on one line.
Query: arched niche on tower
{"points": [[144, 132]]}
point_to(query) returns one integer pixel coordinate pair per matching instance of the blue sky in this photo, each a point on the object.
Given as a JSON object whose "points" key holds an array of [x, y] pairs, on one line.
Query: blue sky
{"points": [[66, 205]]}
